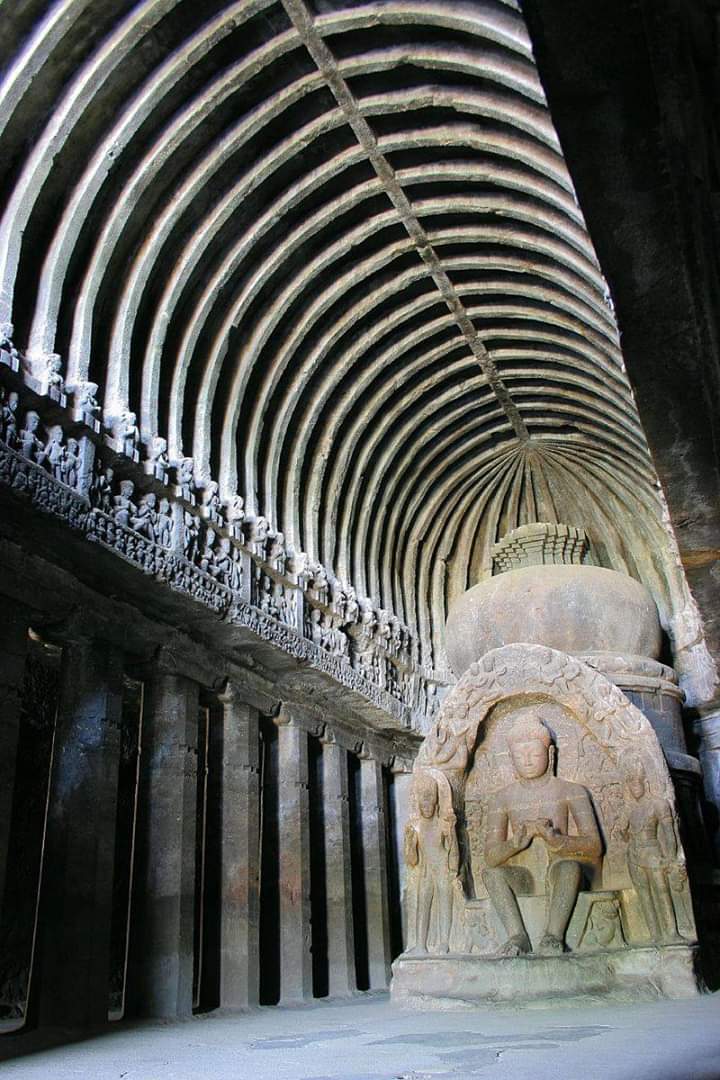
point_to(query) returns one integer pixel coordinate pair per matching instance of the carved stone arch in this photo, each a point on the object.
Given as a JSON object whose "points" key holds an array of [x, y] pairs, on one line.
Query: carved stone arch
{"points": [[536, 674]]}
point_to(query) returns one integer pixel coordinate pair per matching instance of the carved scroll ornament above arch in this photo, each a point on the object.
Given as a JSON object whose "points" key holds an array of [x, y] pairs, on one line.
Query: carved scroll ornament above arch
{"points": [[534, 673]]}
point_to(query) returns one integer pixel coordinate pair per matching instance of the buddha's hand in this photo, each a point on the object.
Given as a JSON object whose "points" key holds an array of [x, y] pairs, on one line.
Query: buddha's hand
{"points": [[552, 836], [523, 838]]}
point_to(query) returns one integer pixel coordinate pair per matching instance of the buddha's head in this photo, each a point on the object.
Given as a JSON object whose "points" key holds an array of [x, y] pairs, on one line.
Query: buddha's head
{"points": [[427, 795], [530, 744], [636, 780]]}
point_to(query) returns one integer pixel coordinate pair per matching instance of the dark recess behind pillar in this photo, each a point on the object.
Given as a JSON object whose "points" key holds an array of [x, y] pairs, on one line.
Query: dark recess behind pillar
{"points": [[318, 888], [37, 725], [209, 990], [124, 841], [269, 866], [394, 897], [359, 908]]}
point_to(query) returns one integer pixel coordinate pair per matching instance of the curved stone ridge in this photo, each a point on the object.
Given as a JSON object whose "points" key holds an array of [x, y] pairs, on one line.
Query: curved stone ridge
{"points": [[328, 257]]}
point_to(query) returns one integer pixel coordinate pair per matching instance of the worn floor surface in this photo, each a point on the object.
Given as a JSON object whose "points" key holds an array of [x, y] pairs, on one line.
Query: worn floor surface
{"points": [[373, 1040]]}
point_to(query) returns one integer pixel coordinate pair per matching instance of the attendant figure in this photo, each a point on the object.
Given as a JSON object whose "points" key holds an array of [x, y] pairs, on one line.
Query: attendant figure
{"points": [[431, 849], [660, 879]]}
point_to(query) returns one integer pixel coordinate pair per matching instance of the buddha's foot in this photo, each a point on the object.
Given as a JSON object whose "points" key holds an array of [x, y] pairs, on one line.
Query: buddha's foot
{"points": [[417, 950], [516, 945], [551, 944]]}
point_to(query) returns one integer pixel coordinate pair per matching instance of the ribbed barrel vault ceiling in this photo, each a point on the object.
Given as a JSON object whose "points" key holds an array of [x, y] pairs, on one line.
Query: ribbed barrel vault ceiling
{"points": [[331, 251]]}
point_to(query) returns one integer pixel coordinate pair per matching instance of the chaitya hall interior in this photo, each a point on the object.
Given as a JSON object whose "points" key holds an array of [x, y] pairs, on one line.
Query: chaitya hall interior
{"points": [[359, 539]]}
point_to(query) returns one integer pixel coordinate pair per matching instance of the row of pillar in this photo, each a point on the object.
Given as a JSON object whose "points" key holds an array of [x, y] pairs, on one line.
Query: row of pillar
{"points": [[71, 973]]}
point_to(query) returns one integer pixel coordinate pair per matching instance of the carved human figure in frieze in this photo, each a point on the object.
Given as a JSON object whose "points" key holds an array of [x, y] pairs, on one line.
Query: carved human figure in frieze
{"points": [[288, 605], [84, 400], [102, 489], [352, 607], [656, 870], [53, 453], [259, 534], [227, 565], [144, 520], [71, 463], [207, 556], [9, 419], [537, 805], [314, 626], [432, 851], [276, 554], [55, 380], [235, 515], [124, 508], [211, 499], [191, 536], [128, 434], [31, 446], [186, 477], [318, 580], [158, 457]]}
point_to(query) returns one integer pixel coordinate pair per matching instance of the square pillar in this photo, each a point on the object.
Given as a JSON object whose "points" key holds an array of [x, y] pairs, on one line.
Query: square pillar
{"points": [[372, 803], [161, 917], [338, 868], [72, 978], [239, 817], [13, 652], [294, 860]]}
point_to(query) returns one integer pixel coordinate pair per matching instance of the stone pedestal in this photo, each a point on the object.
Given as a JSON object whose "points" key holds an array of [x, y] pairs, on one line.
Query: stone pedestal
{"points": [[72, 978], [161, 923], [239, 816], [617, 975], [12, 672], [338, 870], [375, 861], [294, 861]]}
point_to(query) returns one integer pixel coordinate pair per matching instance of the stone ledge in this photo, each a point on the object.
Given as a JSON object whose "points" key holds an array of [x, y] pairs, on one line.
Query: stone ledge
{"points": [[620, 975]]}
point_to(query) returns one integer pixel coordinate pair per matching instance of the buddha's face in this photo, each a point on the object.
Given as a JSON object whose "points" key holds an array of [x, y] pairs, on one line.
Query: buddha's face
{"points": [[427, 800], [636, 787], [530, 758]]}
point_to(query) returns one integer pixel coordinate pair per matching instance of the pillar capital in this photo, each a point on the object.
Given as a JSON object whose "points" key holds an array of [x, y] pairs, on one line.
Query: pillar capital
{"points": [[401, 766], [372, 752]]}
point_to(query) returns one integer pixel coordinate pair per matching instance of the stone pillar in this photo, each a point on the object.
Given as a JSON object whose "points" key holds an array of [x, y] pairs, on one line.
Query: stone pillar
{"points": [[239, 851], [294, 860], [13, 650], [707, 729], [72, 978], [161, 919], [402, 786], [338, 868], [372, 801]]}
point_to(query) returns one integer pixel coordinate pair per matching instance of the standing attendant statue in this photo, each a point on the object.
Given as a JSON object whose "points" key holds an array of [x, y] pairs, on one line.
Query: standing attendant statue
{"points": [[655, 869], [431, 848], [539, 805]]}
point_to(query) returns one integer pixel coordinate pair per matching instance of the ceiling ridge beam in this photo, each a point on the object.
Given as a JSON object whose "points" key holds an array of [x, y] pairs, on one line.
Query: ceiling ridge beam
{"points": [[304, 24]]}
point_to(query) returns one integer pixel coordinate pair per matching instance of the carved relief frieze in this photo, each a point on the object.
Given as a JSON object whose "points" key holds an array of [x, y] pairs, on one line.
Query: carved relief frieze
{"points": [[156, 515]]}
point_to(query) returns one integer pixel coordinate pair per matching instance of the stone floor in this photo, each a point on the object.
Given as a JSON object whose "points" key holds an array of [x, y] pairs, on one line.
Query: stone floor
{"points": [[374, 1040]]}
